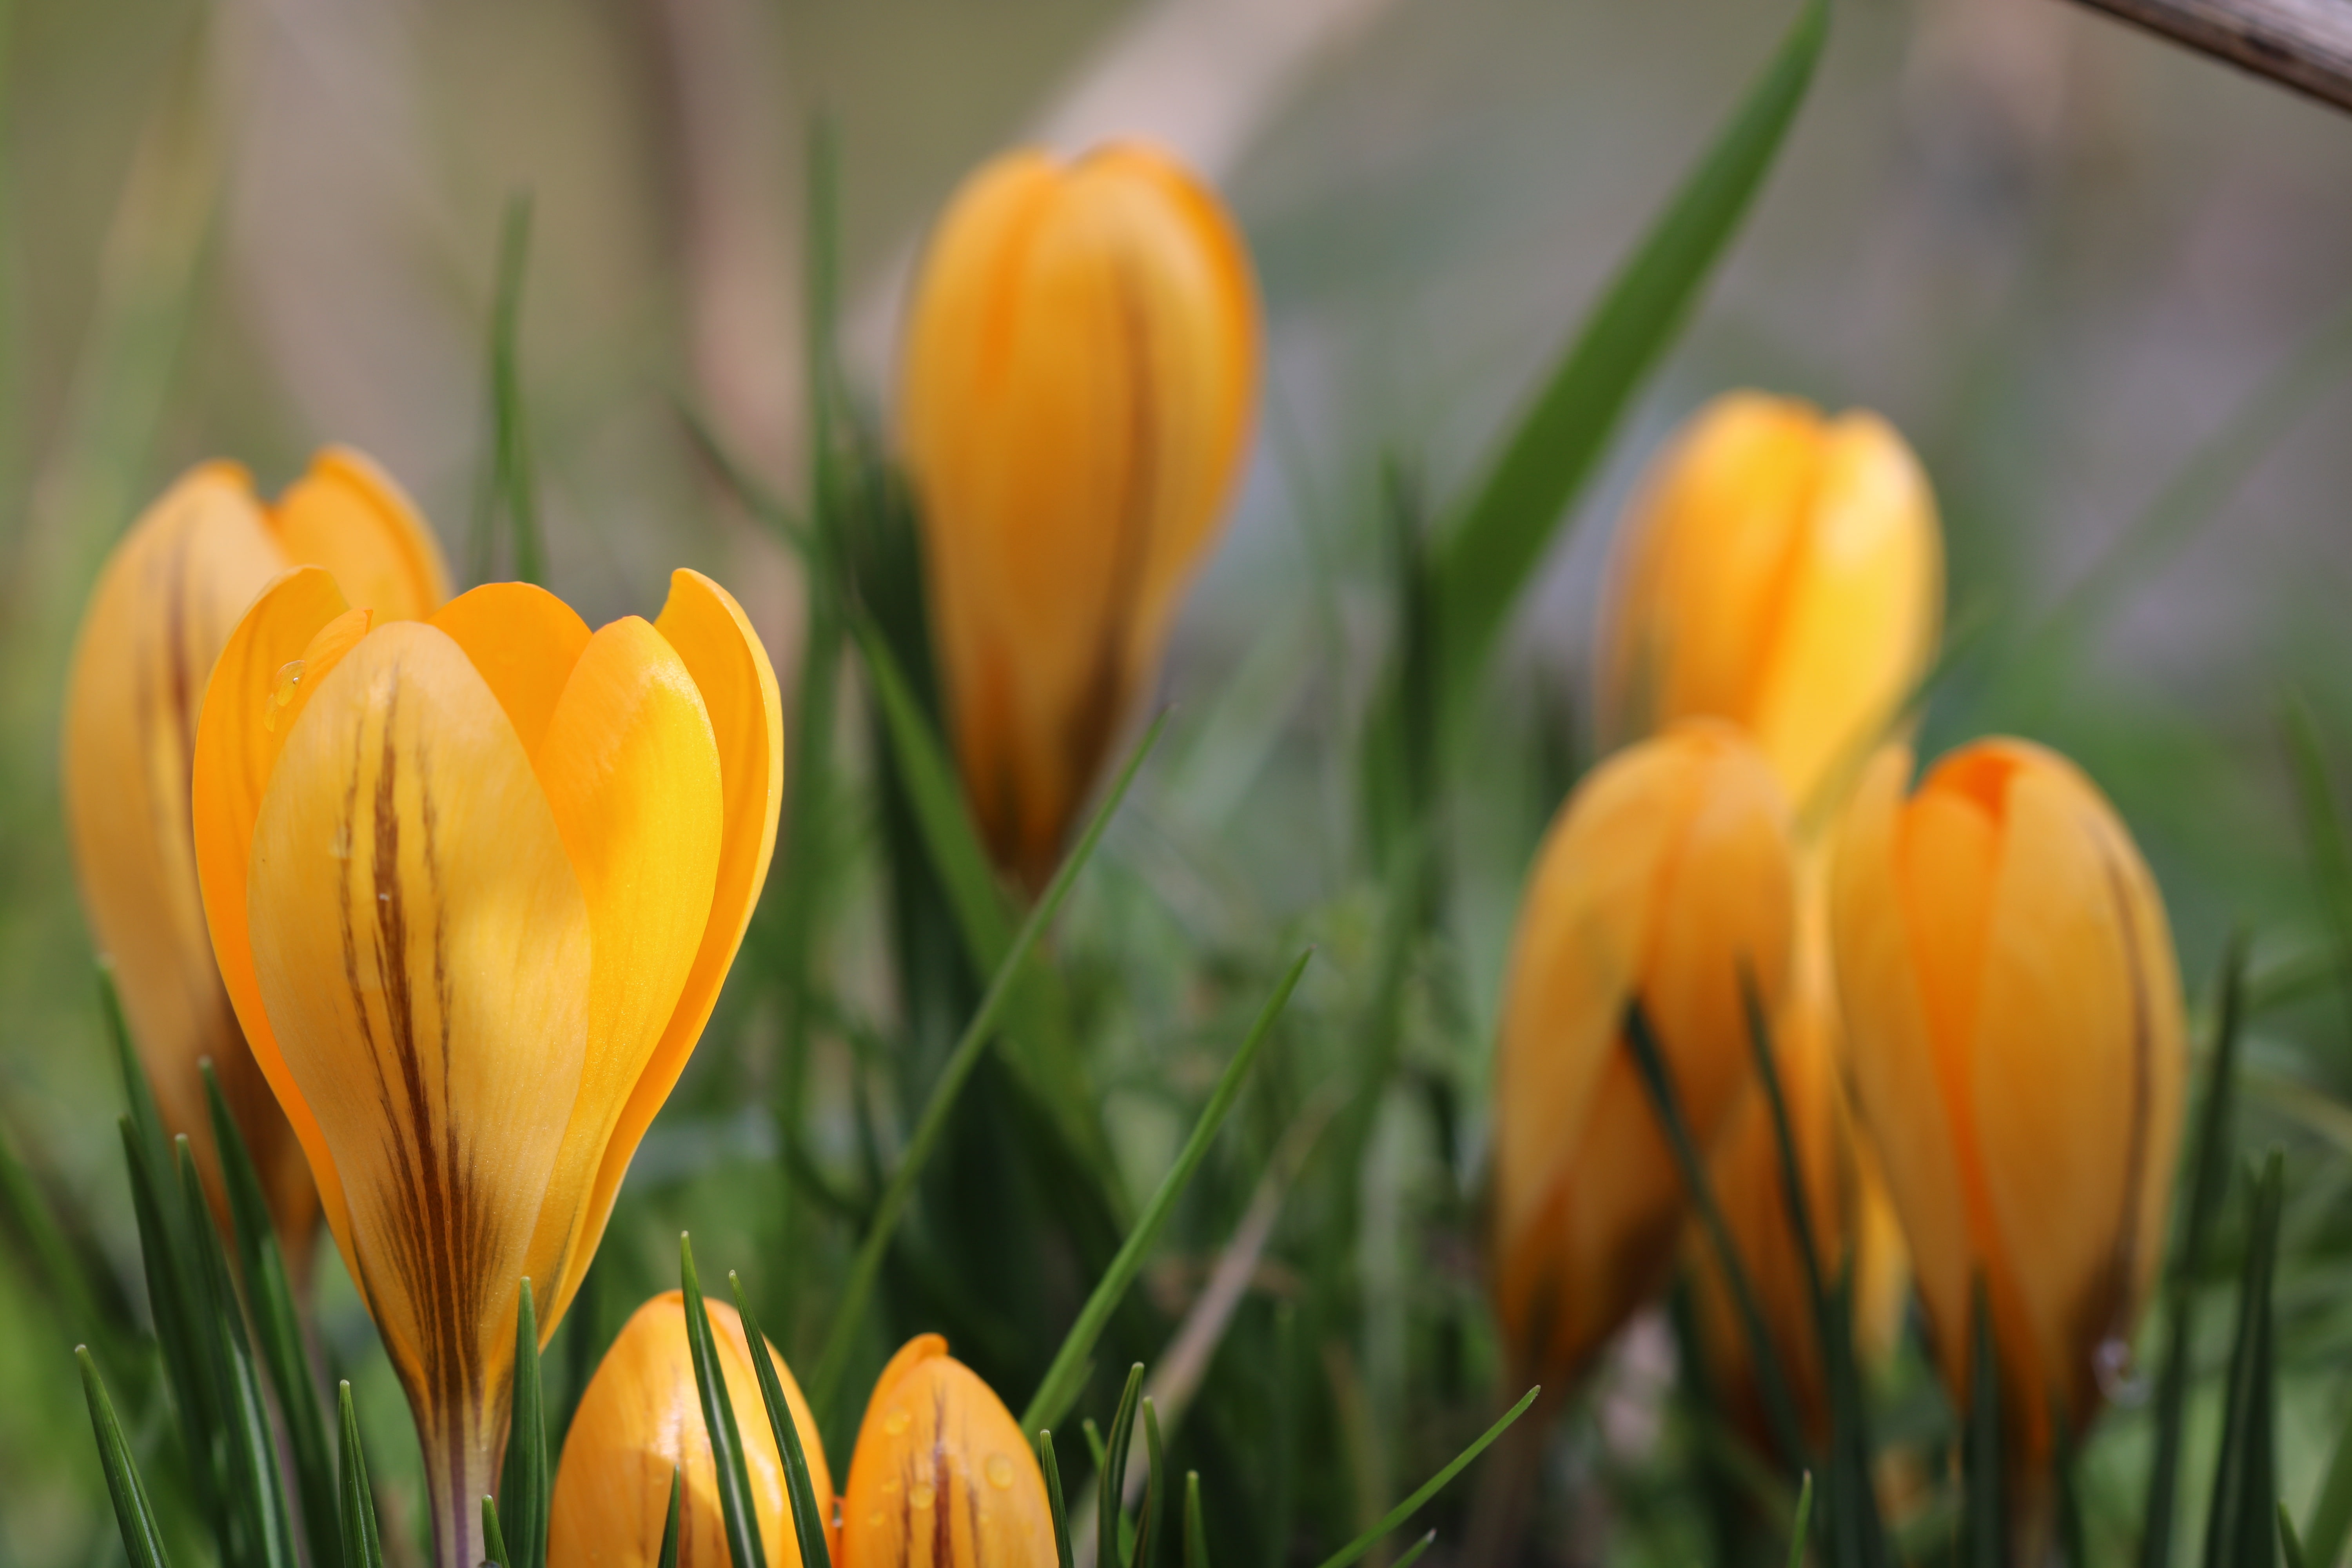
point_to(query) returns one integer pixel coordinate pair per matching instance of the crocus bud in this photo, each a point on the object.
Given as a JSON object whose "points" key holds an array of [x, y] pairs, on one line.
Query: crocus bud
{"points": [[1666, 874], [1853, 1224], [1780, 569], [941, 1478], [1077, 394], [474, 884], [641, 1419], [2015, 1031], [164, 604]]}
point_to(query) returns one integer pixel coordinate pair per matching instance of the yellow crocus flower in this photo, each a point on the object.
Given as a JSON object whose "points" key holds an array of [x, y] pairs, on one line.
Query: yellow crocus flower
{"points": [[1077, 395], [1666, 872], [1781, 570], [641, 1419], [942, 1476], [474, 883], [164, 604], [2016, 1037]]}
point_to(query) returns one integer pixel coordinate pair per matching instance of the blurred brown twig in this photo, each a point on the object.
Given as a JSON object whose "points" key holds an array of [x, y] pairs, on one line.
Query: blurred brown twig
{"points": [[2305, 44]]}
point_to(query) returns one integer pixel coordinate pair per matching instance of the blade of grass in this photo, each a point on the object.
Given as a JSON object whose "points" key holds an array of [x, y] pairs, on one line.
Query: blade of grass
{"points": [[511, 485], [809, 1525], [2290, 1546], [1067, 1374], [1110, 1475], [61, 1275], [1196, 1543], [1803, 1521], [1502, 531], [1413, 1554], [1429, 1489], [735, 1502], [2063, 1458], [363, 1542], [2208, 1180], [277, 1325], [2325, 834], [668, 1557], [1063, 1546], [188, 1369], [2245, 1486], [1155, 1490], [1984, 1513], [142, 1534], [525, 1477], [494, 1546], [1779, 1403], [849, 1312]]}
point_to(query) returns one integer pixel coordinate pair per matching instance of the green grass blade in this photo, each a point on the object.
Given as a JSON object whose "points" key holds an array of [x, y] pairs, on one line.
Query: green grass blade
{"points": [[61, 1274], [2290, 1546], [1064, 1551], [1779, 1403], [799, 1487], [525, 1479], [1413, 1554], [142, 1534], [849, 1312], [1155, 1489], [1500, 535], [1429, 1489], [1196, 1542], [2065, 1483], [1984, 1512], [187, 1368], [2325, 836], [512, 484], [1803, 1523], [735, 1502], [2208, 1180], [1110, 1477], [2245, 1487], [670, 1530], [257, 1486], [362, 1541], [277, 1326], [494, 1543], [1066, 1374]]}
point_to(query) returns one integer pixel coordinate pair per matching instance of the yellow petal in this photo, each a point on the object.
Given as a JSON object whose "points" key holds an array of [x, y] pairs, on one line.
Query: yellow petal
{"points": [[941, 1474], [523, 641], [273, 664], [350, 517], [640, 1418], [730, 669], [630, 772], [422, 949]]}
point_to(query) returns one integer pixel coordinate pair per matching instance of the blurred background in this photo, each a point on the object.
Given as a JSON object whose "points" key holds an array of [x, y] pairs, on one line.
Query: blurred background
{"points": [[2101, 283]]}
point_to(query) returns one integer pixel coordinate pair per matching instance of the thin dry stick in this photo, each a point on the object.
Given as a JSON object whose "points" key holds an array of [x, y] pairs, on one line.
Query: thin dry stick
{"points": [[2305, 44]]}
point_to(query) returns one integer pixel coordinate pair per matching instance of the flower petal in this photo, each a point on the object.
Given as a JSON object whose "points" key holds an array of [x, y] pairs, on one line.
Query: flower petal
{"points": [[942, 1476], [423, 950], [731, 669], [631, 772], [523, 640], [260, 685], [350, 517]]}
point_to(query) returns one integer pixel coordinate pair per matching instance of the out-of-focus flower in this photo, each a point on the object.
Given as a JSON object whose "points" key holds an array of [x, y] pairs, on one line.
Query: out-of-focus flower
{"points": [[474, 883], [641, 1418], [162, 605], [2015, 1031], [942, 1476], [1845, 1196], [1078, 391], [1780, 569], [1666, 873]]}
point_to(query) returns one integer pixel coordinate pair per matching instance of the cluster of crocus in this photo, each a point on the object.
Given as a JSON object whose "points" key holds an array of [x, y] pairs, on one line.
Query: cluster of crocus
{"points": [[1971, 993], [940, 1476]]}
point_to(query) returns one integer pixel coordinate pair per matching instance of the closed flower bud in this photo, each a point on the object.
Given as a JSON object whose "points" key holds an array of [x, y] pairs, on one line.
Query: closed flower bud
{"points": [[164, 604], [1666, 874], [2015, 1029], [1077, 394], [1780, 569], [474, 883], [641, 1419], [942, 1476]]}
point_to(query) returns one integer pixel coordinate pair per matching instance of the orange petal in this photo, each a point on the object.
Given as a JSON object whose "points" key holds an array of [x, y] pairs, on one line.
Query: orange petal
{"points": [[350, 517], [260, 685], [731, 669], [942, 1476], [632, 773], [524, 641]]}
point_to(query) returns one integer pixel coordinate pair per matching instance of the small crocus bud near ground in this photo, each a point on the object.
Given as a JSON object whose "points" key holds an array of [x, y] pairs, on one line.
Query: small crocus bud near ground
{"points": [[1781, 570], [1666, 874], [1077, 394], [641, 1419], [165, 602], [474, 884], [942, 1476], [2014, 1021]]}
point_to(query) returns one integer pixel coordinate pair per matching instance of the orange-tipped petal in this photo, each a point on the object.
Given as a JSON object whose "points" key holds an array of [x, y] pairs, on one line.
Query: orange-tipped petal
{"points": [[631, 771], [524, 641], [641, 1418], [423, 950], [731, 669], [942, 1476], [350, 516]]}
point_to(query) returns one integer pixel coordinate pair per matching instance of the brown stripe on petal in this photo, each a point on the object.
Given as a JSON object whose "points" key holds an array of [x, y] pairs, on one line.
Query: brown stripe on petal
{"points": [[942, 1482]]}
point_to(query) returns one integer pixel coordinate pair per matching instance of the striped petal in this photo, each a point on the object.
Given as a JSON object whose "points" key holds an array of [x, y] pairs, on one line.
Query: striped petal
{"points": [[630, 769], [731, 669], [942, 1476], [350, 517]]}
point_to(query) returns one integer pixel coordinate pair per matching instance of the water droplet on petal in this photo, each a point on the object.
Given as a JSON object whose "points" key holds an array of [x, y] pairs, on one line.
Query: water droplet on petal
{"points": [[999, 1470], [895, 1422], [281, 693], [923, 1496]]}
